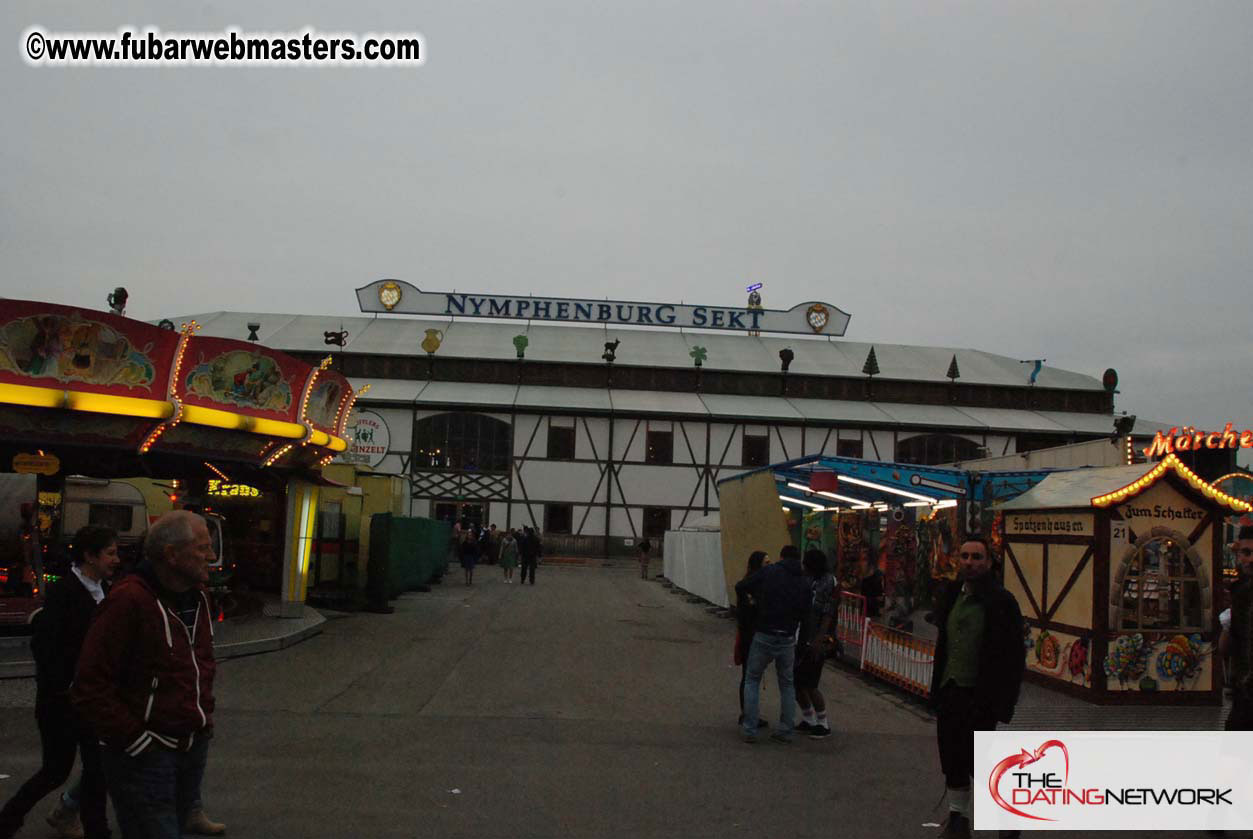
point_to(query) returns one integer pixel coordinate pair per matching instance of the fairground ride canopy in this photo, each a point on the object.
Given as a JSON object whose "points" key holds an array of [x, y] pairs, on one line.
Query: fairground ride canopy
{"points": [[107, 395], [831, 483]]}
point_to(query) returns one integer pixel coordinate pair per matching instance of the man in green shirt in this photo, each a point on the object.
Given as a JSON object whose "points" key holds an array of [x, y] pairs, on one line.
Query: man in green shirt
{"points": [[979, 663]]}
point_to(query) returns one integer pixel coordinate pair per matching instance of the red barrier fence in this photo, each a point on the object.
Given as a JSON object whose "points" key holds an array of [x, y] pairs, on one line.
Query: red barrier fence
{"points": [[898, 658], [850, 620]]}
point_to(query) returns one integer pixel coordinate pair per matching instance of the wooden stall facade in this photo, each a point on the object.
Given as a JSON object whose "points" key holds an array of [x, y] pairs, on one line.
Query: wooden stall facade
{"points": [[1116, 571]]}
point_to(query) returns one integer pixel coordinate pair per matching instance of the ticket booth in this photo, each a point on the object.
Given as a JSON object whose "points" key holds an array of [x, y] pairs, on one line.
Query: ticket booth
{"points": [[1115, 570]]}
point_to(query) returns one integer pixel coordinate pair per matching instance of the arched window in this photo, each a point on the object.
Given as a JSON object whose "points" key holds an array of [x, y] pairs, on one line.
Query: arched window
{"points": [[1161, 590], [462, 443], [932, 449]]}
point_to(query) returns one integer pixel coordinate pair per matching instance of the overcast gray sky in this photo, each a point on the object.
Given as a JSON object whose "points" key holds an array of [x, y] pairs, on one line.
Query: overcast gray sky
{"points": [[1065, 180]]}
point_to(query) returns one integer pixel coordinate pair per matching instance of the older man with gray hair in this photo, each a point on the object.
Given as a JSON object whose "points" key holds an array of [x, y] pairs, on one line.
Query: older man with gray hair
{"points": [[145, 680]]}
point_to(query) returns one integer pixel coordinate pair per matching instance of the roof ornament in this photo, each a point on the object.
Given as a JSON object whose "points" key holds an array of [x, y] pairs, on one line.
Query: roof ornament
{"points": [[698, 354], [871, 367], [611, 350], [1035, 371], [117, 301]]}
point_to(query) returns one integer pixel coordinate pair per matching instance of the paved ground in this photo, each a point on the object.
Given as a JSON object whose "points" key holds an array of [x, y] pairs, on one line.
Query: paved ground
{"points": [[592, 704]]}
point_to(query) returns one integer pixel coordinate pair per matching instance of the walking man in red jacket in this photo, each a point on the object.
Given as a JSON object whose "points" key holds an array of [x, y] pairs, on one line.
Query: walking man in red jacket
{"points": [[145, 679]]}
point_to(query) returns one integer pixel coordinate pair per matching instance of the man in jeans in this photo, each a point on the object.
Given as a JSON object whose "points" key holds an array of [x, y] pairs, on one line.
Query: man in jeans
{"points": [[145, 680], [782, 593]]}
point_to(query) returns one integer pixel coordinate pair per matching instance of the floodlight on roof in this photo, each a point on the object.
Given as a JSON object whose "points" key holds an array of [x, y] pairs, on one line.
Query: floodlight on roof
{"points": [[856, 501], [885, 488], [787, 500]]}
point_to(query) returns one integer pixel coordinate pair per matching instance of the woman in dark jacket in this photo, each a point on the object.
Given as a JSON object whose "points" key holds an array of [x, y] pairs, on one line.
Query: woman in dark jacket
{"points": [[60, 628], [745, 621]]}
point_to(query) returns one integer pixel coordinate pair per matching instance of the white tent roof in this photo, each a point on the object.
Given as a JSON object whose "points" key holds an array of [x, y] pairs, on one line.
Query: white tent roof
{"points": [[1076, 488], [656, 347]]}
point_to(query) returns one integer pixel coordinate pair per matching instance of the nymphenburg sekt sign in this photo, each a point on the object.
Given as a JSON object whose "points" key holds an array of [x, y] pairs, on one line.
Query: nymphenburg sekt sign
{"points": [[399, 297]]}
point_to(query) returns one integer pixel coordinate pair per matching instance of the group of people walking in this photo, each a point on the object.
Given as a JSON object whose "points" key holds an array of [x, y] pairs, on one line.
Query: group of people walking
{"points": [[124, 679], [509, 548], [785, 612]]}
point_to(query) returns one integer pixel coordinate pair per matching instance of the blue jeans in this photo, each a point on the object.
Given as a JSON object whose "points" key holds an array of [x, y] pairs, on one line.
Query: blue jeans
{"points": [[781, 649], [153, 793]]}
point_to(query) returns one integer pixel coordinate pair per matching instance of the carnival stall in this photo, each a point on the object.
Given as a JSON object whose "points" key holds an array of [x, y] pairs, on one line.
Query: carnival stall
{"points": [[96, 394], [1116, 571]]}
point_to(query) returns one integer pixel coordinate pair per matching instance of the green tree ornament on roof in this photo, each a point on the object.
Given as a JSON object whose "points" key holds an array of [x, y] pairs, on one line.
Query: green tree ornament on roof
{"points": [[953, 373], [698, 355], [520, 343], [871, 367]]}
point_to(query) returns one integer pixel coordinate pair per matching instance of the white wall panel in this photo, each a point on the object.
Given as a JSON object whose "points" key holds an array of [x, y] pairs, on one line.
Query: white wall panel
{"points": [[399, 427], [785, 444], [997, 445], [657, 486], [591, 439], [559, 480], [523, 426], [618, 522], [595, 523], [520, 516], [883, 440], [695, 437], [624, 446], [720, 434], [392, 465]]}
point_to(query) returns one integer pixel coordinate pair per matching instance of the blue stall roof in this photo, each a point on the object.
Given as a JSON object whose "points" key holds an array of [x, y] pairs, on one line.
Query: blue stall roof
{"points": [[862, 484]]}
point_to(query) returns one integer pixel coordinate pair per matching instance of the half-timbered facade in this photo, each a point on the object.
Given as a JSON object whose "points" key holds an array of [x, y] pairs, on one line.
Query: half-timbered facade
{"points": [[596, 454]]}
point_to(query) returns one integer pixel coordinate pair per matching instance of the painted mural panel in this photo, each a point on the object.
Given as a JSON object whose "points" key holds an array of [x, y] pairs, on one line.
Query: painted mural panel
{"points": [[42, 344], [243, 378], [328, 398], [1059, 655], [1149, 662], [944, 563]]}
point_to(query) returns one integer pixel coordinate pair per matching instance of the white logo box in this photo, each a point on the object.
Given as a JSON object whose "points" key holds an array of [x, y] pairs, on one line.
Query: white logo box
{"points": [[1113, 780]]}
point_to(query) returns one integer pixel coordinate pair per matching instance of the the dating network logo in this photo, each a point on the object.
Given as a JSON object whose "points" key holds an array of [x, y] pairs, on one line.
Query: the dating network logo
{"points": [[1113, 780], [1047, 785]]}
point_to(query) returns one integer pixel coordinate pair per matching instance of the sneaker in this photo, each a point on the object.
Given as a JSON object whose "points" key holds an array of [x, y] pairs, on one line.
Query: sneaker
{"points": [[751, 739], [819, 732], [198, 823], [805, 727], [781, 738], [66, 823]]}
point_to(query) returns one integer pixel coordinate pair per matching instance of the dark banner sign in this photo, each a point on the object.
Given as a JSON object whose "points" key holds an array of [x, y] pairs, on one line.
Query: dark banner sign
{"points": [[399, 297]]}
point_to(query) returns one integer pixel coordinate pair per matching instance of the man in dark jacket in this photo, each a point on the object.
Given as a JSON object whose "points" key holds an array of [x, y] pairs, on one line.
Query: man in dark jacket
{"points": [[979, 663], [57, 641], [145, 679], [529, 549], [782, 593]]}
